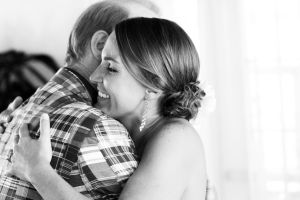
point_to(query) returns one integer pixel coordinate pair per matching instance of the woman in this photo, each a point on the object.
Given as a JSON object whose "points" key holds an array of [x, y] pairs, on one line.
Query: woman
{"points": [[148, 81]]}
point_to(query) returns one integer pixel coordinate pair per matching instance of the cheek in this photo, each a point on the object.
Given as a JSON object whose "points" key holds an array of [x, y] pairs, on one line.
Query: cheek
{"points": [[126, 97]]}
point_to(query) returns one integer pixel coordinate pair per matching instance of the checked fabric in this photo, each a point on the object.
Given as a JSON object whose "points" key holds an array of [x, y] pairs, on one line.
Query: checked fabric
{"points": [[91, 151]]}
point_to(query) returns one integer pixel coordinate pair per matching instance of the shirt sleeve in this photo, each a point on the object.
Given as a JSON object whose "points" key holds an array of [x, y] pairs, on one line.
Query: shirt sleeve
{"points": [[107, 159]]}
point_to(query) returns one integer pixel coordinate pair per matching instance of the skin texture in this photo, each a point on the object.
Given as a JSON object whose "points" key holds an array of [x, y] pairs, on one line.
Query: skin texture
{"points": [[113, 79], [174, 162], [172, 165], [126, 95]]}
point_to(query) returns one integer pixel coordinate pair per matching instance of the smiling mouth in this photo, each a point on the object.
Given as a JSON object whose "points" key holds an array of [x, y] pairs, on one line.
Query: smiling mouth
{"points": [[102, 95]]}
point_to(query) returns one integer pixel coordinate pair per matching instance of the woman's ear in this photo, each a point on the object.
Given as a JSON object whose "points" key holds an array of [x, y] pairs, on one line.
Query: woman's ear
{"points": [[151, 94], [97, 43]]}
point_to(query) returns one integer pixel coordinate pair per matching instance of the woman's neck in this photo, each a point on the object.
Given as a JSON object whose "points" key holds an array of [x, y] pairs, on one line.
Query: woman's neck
{"points": [[133, 126]]}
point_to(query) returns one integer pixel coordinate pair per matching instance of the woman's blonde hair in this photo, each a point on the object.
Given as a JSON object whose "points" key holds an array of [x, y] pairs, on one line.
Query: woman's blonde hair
{"points": [[161, 56]]}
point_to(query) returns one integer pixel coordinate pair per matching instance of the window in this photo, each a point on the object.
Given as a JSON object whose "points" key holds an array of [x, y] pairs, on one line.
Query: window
{"points": [[271, 32]]}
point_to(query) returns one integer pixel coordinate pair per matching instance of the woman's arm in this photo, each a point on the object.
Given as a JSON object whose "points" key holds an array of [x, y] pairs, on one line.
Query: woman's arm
{"points": [[167, 165], [31, 161], [164, 171], [6, 115], [51, 186]]}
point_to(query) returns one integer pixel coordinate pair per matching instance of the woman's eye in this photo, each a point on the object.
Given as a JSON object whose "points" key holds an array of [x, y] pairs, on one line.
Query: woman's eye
{"points": [[111, 69]]}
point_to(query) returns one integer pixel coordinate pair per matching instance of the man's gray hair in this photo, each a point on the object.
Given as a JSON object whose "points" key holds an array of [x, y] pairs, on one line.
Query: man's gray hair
{"points": [[146, 3], [103, 15]]}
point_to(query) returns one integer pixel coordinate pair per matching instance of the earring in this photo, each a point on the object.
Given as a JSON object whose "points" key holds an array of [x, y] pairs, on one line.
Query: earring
{"points": [[146, 109]]}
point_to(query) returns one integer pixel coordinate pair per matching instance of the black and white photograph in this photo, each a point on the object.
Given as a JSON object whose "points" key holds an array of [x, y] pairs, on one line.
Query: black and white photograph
{"points": [[149, 99]]}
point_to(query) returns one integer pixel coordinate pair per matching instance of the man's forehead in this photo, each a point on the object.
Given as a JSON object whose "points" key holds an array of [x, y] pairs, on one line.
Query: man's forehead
{"points": [[110, 47], [138, 10]]}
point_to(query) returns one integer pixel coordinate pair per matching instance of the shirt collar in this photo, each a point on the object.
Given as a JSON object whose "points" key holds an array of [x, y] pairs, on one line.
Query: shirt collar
{"points": [[90, 89]]}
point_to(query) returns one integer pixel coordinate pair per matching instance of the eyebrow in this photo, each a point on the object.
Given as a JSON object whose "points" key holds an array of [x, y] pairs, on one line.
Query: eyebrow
{"points": [[108, 58]]}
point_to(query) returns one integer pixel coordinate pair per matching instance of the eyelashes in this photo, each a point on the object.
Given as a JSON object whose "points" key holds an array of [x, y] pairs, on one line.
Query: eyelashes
{"points": [[106, 66], [110, 68]]}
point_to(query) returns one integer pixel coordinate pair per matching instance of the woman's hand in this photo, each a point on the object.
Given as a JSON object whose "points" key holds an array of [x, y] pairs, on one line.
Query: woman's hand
{"points": [[6, 115], [31, 154], [31, 161]]}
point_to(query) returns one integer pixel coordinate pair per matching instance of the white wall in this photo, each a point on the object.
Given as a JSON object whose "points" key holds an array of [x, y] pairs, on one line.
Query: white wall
{"points": [[38, 25]]}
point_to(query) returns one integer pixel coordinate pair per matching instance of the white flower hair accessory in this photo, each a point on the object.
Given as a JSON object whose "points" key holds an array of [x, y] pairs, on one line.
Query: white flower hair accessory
{"points": [[208, 103]]}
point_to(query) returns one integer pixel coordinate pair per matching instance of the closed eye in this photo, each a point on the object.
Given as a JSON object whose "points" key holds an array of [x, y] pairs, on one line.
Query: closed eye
{"points": [[110, 68]]}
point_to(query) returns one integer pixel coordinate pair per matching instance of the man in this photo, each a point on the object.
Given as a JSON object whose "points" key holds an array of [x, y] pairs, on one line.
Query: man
{"points": [[91, 151]]}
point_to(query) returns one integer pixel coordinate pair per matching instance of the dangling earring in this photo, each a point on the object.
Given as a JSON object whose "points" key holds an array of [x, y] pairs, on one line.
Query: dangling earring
{"points": [[145, 113]]}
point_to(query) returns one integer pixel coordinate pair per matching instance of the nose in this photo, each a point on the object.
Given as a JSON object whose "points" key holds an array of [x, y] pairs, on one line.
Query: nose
{"points": [[97, 75]]}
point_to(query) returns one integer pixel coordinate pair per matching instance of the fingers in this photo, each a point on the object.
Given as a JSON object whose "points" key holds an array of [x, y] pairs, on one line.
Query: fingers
{"points": [[10, 154], [2, 146], [23, 131], [16, 103], [11, 170], [44, 127], [16, 150], [34, 128], [6, 115], [16, 139]]}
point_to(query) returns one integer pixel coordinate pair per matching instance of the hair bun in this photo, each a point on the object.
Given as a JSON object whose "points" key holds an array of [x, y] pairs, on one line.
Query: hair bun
{"points": [[184, 103]]}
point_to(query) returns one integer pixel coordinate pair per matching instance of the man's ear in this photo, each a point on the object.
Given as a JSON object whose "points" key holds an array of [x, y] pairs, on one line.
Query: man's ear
{"points": [[97, 43]]}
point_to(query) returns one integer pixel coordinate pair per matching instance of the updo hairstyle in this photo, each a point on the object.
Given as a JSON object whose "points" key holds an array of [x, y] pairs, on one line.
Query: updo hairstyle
{"points": [[167, 60]]}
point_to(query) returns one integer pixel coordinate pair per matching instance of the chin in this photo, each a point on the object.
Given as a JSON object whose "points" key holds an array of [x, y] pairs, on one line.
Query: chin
{"points": [[104, 110], [97, 105]]}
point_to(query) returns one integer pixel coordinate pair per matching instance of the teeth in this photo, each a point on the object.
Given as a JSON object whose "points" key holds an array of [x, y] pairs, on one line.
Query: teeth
{"points": [[102, 95]]}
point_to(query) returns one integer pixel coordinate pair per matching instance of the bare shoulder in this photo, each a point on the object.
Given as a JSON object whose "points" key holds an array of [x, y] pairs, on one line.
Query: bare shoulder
{"points": [[172, 162], [177, 130], [176, 135]]}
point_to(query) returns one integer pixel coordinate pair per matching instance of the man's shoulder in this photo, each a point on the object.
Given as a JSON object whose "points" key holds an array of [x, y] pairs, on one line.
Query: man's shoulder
{"points": [[82, 110], [64, 88], [51, 95], [99, 136], [81, 117], [76, 114], [82, 107]]}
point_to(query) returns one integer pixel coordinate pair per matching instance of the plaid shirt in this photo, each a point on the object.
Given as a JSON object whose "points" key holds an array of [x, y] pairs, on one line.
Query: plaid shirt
{"points": [[91, 151]]}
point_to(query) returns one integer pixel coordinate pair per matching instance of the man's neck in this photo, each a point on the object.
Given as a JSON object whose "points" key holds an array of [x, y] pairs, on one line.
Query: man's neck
{"points": [[83, 73], [83, 70]]}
